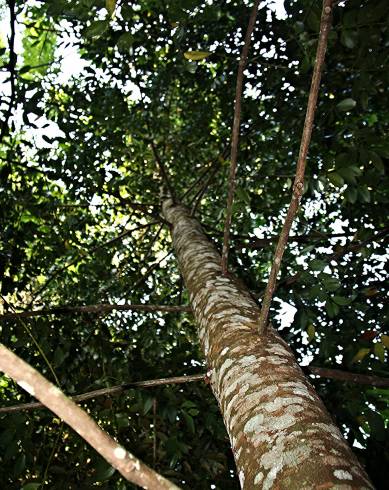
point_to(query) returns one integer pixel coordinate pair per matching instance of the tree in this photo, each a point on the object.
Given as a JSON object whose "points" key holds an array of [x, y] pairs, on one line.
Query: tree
{"points": [[81, 219]]}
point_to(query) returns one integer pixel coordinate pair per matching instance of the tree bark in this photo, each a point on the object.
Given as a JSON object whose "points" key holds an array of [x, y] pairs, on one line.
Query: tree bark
{"points": [[281, 434]]}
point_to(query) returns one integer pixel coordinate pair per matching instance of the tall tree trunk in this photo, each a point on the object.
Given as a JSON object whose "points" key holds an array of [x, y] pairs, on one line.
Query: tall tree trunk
{"points": [[281, 434]]}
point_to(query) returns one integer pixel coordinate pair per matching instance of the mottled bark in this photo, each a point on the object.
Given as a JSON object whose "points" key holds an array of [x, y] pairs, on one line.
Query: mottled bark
{"points": [[281, 434]]}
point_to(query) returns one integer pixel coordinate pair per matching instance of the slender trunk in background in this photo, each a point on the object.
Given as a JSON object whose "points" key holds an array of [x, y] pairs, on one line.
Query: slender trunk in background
{"points": [[281, 434]]}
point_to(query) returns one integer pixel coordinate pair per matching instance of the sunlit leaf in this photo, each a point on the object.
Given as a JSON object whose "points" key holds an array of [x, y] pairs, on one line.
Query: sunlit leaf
{"points": [[311, 331], [110, 6], [196, 55], [360, 355]]}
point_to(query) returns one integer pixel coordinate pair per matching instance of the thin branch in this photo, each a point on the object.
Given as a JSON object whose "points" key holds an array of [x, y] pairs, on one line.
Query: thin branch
{"points": [[162, 170], [98, 308], [12, 69], [130, 467], [113, 390], [197, 197], [235, 135], [298, 185], [349, 377], [362, 379]]}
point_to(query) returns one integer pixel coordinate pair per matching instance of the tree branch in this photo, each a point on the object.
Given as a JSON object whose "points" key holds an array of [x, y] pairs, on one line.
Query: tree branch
{"points": [[113, 390], [99, 308], [362, 379], [355, 378], [298, 185], [130, 467], [235, 136]]}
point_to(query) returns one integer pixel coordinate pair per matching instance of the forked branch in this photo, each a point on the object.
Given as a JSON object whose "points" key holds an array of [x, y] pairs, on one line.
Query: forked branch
{"points": [[298, 184]]}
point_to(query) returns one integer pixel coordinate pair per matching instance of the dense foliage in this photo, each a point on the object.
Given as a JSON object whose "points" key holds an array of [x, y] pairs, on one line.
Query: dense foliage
{"points": [[79, 152]]}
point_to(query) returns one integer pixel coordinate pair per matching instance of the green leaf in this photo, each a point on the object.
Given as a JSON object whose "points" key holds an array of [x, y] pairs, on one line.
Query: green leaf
{"points": [[125, 41], [330, 283], [385, 341], [351, 194], [317, 265], [341, 301], [311, 331], [189, 422], [335, 179], [332, 308], [110, 6], [360, 355], [243, 195], [376, 160], [348, 39], [364, 193], [104, 471], [19, 465], [376, 424], [346, 105], [31, 486], [24, 69], [96, 29], [147, 405], [196, 55], [379, 351]]}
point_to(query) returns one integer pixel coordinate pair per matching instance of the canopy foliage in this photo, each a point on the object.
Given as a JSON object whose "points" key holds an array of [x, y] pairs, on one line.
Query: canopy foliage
{"points": [[79, 167]]}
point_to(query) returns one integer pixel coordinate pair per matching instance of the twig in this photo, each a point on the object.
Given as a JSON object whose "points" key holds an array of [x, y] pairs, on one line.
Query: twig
{"points": [[162, 170], [34, 340], [98, 308], [197, 197], [12, 69], [130, 467], [113, 390], [154, 431], [298, 184], [235, 135]]}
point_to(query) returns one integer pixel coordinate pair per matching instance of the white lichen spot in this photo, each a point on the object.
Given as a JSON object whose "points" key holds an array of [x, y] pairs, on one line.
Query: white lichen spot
{"points": [[119, 452], [253, 424], [241, 478], [343, 475], [258, 478], [26, 386], [247, 361], [55, 391]]}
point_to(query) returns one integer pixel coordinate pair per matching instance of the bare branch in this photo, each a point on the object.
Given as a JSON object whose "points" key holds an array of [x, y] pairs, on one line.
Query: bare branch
{"points": [[235, 135], [362, 379], [355, 378], [298, 185], [99, 308], [113, 390], [130, 467]]}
